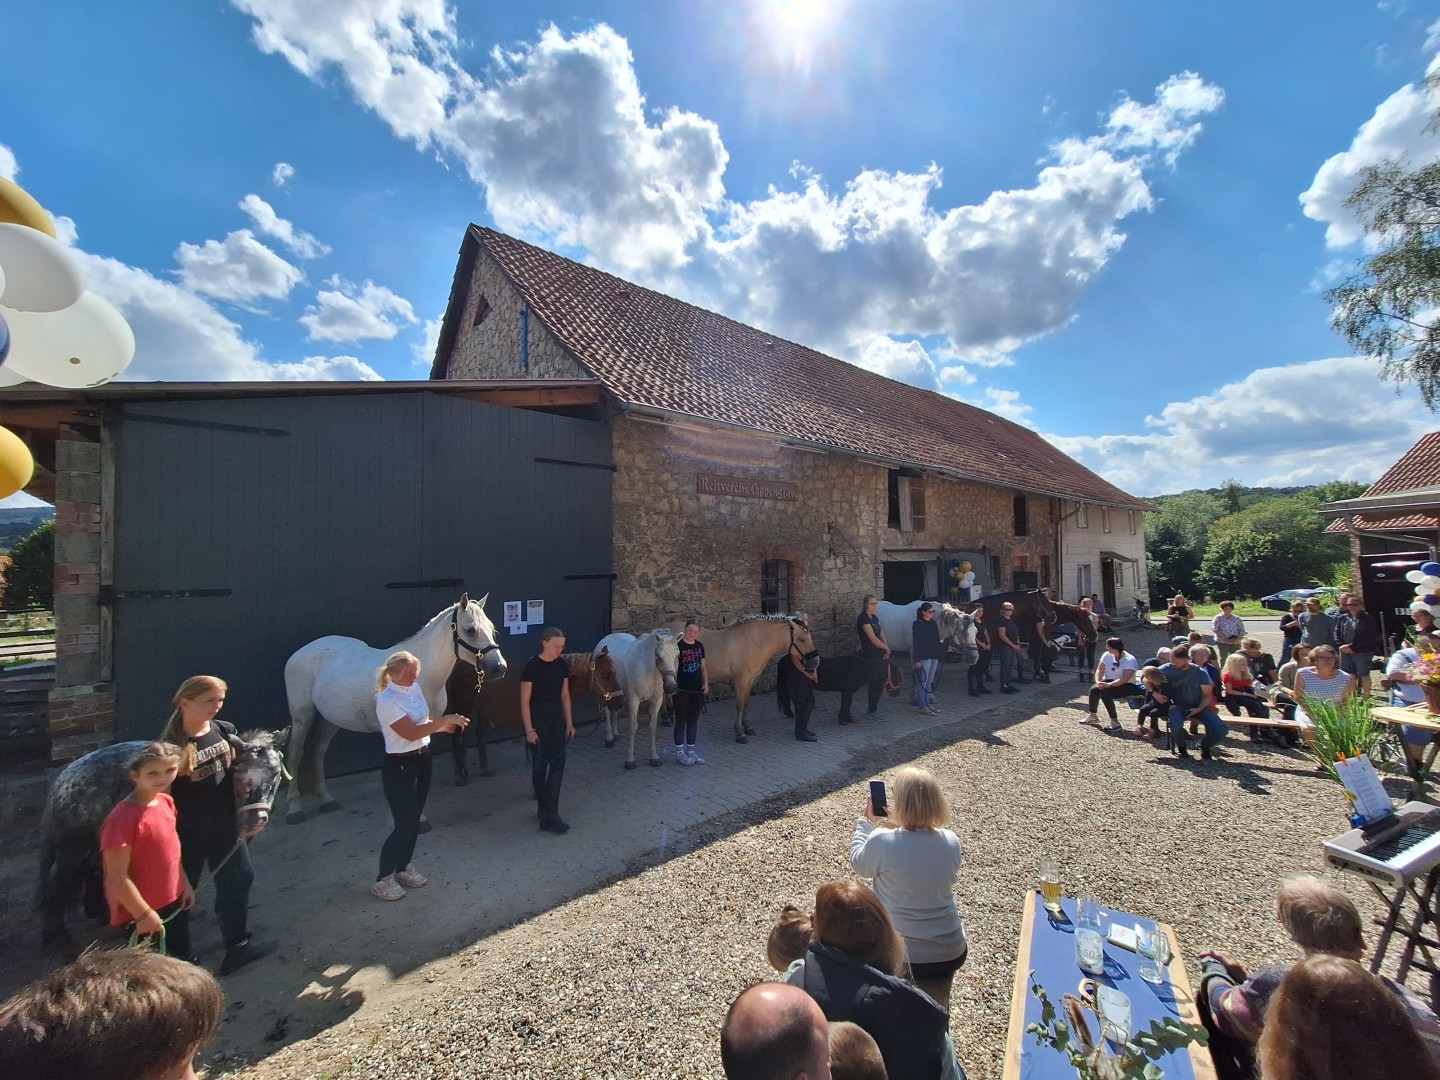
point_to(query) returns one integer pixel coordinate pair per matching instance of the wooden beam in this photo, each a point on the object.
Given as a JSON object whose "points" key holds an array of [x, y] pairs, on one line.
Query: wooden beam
{"points": [[535, 398]]}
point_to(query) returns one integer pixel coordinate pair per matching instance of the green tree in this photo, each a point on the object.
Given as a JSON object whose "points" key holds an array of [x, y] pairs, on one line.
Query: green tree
{"points": [[1278, 543], [30, 581], [1336, 490], [1391, 309], [1175, 540]]}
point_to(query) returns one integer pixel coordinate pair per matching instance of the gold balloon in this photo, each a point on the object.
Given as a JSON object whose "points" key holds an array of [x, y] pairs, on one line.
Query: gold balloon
{"points": [[965, 568], [16, 205], [16, 464]]}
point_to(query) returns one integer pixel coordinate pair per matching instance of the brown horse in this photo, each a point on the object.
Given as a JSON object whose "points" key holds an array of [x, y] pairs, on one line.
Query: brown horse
{"points": [[1029, 607], [496, 702], [739, 653], [1084, 625]]}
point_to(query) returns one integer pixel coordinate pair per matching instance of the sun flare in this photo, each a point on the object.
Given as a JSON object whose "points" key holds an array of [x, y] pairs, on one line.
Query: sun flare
{"points": [[792, 32]]}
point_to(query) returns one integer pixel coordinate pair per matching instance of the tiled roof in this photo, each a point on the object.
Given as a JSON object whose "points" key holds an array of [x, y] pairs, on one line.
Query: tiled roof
{"points": [[653, 350], [1418, 467]]}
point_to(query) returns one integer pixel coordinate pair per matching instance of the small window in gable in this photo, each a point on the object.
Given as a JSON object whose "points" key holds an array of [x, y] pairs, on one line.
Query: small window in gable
{"points": [[1022, 516], [1082, 516], [1132, 521], [482, 308], [1104, 519], [906, 500]]}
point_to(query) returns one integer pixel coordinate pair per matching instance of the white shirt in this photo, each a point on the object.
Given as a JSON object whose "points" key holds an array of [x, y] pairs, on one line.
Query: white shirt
{"points": [[392, 705], [1408, 692], [1112, 669]]}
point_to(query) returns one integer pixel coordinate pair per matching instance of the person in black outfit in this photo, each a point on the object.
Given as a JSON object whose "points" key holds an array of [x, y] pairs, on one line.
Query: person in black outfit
{"points": [[545, 712], [872, 642], [692, 684], [984, 648], [801, 686], [1039, 650], [1007, 644], [204, 794]]}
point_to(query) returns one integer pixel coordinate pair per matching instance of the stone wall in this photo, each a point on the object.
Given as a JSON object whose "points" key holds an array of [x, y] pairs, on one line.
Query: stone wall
{"points": [[679, 553], [490, 349], [82, 704]]}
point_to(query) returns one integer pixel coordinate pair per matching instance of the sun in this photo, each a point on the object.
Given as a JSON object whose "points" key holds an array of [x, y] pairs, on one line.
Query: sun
{"points": [[790, 33]]}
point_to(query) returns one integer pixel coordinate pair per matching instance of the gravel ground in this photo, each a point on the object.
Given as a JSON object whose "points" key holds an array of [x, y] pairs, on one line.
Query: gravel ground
{"points": [[633, 979]]}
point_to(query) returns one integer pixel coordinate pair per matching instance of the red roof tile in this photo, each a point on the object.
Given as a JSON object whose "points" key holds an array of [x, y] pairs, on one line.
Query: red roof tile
{"points": [[1418, 467], [653, 350]]}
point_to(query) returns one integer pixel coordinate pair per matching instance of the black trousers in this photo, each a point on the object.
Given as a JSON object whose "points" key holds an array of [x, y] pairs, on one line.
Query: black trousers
{"points": [[802, 699], [213, 847], [687, 715], [975, 677], [1109, 695], [547, 763], [405, 779]]}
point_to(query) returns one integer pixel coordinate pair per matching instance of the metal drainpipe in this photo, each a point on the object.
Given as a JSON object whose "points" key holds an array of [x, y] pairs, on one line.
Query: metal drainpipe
{"points": [[1060, 551], [525, 339]]}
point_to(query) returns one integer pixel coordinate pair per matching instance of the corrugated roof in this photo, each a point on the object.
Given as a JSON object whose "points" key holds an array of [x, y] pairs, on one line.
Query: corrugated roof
{"points": [[655, 351]]}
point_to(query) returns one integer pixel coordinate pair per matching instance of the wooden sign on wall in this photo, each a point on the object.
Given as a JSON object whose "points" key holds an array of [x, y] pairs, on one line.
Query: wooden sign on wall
{"points": [[745, 487]]}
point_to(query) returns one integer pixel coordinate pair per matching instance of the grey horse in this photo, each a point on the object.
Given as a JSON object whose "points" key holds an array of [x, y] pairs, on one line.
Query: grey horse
{"points": [[87, 790]]}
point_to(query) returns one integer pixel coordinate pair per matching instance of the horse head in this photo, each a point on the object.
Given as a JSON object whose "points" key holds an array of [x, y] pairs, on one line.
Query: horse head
{"points": [[257, 769], [475, 634], [603, 681], [957, 626], [667, 657], [801, 641]]}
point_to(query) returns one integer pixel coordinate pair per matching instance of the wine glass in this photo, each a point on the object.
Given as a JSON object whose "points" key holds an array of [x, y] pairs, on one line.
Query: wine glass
{"points": [[1155, 947]]}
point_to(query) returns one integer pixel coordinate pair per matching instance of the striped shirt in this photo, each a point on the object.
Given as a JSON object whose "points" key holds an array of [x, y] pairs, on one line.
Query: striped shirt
{"points": [[1318, 689]]}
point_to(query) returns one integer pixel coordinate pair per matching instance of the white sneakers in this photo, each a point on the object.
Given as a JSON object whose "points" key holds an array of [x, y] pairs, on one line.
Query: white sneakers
{"points": [[393, 886], [688, 755], [1092, 720], [387, 888]]}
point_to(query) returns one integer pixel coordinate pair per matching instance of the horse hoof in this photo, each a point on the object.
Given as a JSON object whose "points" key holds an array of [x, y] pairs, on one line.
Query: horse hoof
{"points": [[629, 765], [329, 807], [425, 826], [654, 762], [460, 781], [741, 739], [667, 723], [609, 744], [487, 772], [294, 817], [749, 730]]}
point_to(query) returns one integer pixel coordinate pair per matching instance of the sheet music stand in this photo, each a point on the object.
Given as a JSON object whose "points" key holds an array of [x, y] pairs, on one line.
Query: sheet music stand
{"points": [[1411, 931]]}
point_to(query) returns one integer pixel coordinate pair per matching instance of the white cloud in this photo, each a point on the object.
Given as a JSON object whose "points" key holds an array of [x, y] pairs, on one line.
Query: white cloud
{"points": [[423, 352], [281, 174], [1004, 403], [1396, 130], [1292, 424], [325, 369], [9, 167], [350, 312], [239, 268], [272, 224]]}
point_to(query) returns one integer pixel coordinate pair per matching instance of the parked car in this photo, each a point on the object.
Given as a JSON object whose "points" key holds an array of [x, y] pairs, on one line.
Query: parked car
{"points": [[1282, 600]]}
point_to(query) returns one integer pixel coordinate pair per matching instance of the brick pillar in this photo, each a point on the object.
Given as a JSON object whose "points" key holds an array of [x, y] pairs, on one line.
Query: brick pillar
{"points": [[82, 704]]}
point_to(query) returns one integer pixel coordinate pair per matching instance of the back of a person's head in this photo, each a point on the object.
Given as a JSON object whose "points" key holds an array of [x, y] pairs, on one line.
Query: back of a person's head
{"points": [[770, 1034], [854, 1054], [789, 937], [850, 917], [129, 1014], [1319, 917], [919, 802], [1332, 1020]]}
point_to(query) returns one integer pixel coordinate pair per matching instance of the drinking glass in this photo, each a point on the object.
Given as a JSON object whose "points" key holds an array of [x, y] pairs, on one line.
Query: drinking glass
{"points": [[1050, 885], [1155, 947], [1089, 944]]}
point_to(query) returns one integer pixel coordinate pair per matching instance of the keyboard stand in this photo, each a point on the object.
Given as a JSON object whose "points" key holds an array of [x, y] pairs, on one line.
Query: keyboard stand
{"points": [[1413, 933]]}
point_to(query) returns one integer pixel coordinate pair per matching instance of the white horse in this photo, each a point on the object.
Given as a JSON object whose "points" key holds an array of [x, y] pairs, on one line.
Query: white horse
{"points": [[645, 669], [333, 680], [898, 620]]}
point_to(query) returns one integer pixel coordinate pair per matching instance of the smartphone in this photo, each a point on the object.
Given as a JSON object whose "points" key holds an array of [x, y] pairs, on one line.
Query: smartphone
{"points": [[877, 799]]}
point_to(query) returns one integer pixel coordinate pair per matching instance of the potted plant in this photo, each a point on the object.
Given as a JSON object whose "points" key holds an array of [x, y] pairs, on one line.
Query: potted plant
{"points": [[1343, 730], [1425, 672], [1136, 1059]]}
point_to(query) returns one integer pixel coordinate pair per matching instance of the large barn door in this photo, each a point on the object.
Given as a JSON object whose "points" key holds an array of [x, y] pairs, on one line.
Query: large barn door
{"points": [[246, 527]]}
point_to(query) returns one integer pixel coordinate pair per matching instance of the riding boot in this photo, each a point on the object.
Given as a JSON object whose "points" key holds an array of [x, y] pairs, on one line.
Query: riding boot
{"points": [[552, 802]]}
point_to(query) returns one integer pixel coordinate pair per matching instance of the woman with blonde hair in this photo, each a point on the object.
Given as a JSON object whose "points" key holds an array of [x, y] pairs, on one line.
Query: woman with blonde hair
{"points": [[406, 726], [854, 969], [913, 862], [204, 795], [1332, 1020]]}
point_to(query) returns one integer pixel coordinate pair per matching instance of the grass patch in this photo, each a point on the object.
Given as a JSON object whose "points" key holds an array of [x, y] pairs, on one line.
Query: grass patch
{"points": [[1242, 608]]}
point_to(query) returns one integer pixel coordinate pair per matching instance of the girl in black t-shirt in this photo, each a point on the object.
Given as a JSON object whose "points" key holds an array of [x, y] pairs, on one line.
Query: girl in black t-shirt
{"points": [[692, 684], [204, 794], [545, 712]]}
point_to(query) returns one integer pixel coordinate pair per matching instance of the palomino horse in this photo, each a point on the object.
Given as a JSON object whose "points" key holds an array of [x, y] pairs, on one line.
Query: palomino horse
{"points": [[645, 669], [332, 680], [87, 790], [496, 703], [739, 653]]}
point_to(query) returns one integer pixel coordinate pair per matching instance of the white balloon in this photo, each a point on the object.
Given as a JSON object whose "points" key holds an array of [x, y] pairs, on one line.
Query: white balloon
{"points": [[9, 377], [1417, 606], [40, 273], [1413, 576], [1430, 584], [1434, 609], [2, 281], [86, 344]]}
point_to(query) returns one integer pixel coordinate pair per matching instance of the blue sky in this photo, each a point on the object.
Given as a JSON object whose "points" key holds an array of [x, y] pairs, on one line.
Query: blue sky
{"points": [[1109, 221]]}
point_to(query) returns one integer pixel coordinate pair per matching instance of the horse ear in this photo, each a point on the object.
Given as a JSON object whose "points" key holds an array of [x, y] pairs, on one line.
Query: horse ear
{"points": [[605, 650], [483, 599], [464, 599]]}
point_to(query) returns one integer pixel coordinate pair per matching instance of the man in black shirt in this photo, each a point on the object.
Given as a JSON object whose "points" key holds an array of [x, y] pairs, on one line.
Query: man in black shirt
{"points": [[872, 643], [1007, 644], [545, 712]]}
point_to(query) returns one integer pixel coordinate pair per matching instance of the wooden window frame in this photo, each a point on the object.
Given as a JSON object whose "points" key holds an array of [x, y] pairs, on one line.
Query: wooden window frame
{"points": [[777, 586]]}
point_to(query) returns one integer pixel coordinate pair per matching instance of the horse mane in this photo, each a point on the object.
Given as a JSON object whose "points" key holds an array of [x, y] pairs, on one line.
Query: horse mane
{"points": [[577, 663], [264, 736], [443, 613], [766, 618]]}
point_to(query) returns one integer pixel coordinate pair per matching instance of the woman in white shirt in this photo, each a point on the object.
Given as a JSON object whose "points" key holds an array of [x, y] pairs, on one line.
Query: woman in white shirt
{"points": [[1114, 678], [406, 726], [913, 863]]}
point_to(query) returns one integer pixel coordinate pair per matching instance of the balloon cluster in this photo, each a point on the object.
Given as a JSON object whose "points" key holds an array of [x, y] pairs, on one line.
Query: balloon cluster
{"points": [[964, 576], [51, 330], [1427, 588]]}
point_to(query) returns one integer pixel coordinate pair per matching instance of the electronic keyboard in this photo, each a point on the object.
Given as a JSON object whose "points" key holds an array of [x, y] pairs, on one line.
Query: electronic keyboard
{"points": [[1395, 851]]}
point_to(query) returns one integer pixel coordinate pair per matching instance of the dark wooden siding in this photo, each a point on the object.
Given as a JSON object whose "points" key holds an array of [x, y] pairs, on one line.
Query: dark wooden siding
{"points": [[302, 510]]}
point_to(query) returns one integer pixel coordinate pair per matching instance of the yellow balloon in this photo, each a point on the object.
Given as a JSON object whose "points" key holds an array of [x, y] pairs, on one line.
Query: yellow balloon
{"points": [[17, 205], [16, 464], [965, 568]]}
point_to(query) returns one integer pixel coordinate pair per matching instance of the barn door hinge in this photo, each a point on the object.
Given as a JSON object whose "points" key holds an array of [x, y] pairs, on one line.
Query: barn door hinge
{"points": [[433, 583]]}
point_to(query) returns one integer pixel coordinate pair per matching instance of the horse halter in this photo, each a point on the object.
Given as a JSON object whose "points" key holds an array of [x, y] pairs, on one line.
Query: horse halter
{"points": [[461, 643], [805, 656]]}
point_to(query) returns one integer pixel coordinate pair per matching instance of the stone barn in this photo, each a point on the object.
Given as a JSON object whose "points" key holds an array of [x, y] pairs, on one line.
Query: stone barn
{"points": [[751, 473]]}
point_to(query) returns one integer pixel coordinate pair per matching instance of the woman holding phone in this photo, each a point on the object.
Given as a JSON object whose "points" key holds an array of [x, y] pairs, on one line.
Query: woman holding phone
{"points": [[913, 862]]}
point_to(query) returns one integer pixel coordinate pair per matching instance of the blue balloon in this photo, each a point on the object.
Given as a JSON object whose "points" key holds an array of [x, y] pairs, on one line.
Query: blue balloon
{"points": [[4, 339], [1430, 598], [1431, 569]]}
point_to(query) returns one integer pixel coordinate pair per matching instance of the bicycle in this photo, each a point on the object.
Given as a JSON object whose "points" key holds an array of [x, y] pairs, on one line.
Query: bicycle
{"points": [[1139, 613]]}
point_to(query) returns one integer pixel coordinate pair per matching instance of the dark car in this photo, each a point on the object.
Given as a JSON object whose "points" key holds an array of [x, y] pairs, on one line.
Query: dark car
{"points": [[1282, 600]]}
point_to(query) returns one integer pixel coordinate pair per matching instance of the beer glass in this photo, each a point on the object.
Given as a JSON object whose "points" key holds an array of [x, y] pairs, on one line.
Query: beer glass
{"points": [[1050, 885]]}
